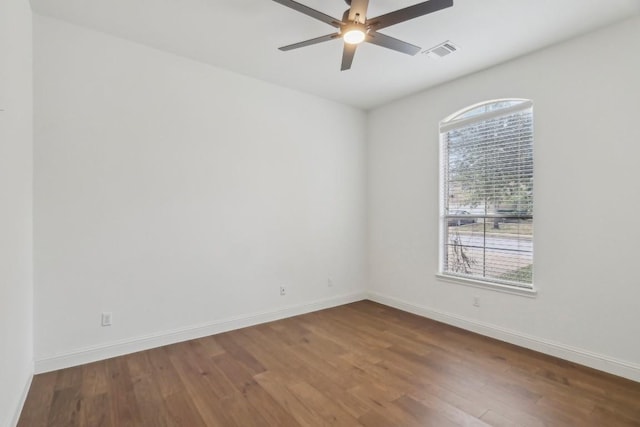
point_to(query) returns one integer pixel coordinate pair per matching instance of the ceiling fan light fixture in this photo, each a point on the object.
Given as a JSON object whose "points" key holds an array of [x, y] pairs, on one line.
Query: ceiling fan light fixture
{"points": [[354, 34]]}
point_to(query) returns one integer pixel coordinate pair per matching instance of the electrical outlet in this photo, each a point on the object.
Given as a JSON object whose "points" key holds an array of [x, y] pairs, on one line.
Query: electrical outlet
{"points": [[329, 283], [476, 301], [107, 318], [283, 291]]}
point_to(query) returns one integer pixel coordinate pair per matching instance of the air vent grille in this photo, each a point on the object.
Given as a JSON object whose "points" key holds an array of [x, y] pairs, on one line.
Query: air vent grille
{"points": [[441, 50]]}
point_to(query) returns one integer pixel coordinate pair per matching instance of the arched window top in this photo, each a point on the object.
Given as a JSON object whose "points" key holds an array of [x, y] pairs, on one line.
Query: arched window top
{"points": [[483, 111]]}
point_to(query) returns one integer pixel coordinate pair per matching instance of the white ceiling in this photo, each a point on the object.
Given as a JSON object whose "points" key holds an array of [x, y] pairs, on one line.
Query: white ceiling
{"points": [[243, 36]]}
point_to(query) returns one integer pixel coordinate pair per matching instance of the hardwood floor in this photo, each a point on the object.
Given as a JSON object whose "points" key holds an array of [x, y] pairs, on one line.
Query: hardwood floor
{"points": [[361, 364]]}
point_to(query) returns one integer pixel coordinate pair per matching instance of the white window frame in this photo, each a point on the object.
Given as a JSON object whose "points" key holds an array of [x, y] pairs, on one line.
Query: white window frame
{"points": [[458, 120]]}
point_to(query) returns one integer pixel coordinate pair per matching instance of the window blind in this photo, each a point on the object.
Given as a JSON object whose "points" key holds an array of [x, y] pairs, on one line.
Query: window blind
{"points": [[487, 193]]}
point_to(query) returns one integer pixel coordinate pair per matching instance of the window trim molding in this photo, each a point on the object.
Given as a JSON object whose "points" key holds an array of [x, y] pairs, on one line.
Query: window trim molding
{"points": [[497, 287]]}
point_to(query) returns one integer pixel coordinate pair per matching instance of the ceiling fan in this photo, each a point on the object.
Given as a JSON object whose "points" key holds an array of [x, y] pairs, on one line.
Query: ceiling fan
{"points": [[355, 27]]}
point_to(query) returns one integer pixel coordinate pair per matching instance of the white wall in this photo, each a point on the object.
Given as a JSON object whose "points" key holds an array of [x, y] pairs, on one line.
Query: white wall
{"points": [[177, 195], [16, 145], [180, 197], [586, 95]]}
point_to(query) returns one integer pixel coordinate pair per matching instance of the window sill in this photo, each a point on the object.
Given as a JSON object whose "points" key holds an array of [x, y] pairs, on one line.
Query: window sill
{"points": [[530, 293]]}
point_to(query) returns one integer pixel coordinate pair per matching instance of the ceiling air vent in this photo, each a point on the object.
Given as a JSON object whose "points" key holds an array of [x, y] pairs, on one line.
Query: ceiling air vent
{"points": [[441, 50]]}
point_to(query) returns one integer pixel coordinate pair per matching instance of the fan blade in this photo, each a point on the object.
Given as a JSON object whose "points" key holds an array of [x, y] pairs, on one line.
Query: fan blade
{"points": [[347, 56], [310, 42], [408, 13], [311, 12], [358, 10], [391, 43]]}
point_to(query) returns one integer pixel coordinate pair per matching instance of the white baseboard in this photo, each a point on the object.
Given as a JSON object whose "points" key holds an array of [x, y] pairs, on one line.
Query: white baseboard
{"points": [[132, 345], [23, 398], [583, 357], [91, 354]]}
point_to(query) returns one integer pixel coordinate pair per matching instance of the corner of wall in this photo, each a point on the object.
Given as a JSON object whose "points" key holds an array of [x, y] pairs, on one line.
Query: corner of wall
{"points": [[23, 397]]}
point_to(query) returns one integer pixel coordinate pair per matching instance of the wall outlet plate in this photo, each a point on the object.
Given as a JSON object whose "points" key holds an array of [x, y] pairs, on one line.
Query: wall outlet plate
{"points": [[107, 318]]}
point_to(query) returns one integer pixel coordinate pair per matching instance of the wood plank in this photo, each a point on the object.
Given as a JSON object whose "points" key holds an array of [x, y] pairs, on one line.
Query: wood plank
{"points": [[66, 408], [97, 411], [450, 410], [424, 415], [276, 385], [496, 420], [192, 368], [182, 409], [328, 409], [36, 407], [227, 342], [166, 376], [240, 413], [150, 403], [207, 396], [124, 406], [210, 345]]}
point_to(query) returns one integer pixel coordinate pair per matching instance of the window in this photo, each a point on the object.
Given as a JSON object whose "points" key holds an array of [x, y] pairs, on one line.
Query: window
{"points": [[486, 162]]}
